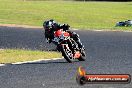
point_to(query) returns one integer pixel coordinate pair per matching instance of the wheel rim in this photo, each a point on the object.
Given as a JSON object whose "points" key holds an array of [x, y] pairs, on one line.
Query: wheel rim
{"points": [[69, 54]]}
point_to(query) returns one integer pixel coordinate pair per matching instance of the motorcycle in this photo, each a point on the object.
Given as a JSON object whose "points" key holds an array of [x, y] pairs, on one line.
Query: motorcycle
{"points": [[68, 47]]}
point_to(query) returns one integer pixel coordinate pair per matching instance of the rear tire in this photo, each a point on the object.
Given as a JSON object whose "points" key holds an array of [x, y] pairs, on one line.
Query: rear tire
{"points": [[83, 56]]}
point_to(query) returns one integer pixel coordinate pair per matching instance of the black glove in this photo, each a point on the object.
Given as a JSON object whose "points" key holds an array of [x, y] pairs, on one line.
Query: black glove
{"points": [[48, 40], [65, 27]]}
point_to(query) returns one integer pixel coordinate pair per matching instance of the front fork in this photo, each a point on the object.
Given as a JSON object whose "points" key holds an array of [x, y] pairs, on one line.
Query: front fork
{"points": [[74, 45]]}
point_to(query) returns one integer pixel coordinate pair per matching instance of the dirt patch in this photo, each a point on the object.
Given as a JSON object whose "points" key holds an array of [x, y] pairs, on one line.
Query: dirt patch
{"points": [[23, 26]]}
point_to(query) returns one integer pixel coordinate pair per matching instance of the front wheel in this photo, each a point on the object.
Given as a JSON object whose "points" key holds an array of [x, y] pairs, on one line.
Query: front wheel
{"points": [[67, 53]]}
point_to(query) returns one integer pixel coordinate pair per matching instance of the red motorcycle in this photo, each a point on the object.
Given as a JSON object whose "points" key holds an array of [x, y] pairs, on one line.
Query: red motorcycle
{"points": [[68, 47]]}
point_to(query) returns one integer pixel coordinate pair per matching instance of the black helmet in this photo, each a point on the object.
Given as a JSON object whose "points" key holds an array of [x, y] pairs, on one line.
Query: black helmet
{"points": [[48, 24], [51, 24]]}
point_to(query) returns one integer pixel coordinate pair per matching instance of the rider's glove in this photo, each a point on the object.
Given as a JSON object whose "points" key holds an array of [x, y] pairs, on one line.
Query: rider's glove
{"points": [[48, 40], [65, 27]]}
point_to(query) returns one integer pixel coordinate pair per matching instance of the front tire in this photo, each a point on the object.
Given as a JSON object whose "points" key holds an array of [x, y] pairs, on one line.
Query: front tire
{"points": [[67, 53]]}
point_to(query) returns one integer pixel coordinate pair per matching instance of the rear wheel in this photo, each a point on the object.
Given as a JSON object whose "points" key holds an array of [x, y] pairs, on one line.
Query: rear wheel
{"points": [[67, 53], [83, 56]]}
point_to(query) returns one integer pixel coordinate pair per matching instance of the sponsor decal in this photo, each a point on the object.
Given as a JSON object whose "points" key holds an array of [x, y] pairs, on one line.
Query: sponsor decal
{"points": [[84, 78]]}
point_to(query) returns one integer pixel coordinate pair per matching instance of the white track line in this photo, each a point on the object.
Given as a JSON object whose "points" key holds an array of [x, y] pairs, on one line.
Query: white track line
{"points": [[110, 31], [98, 30], [127, 31], [17, 63], [75, 29], [37, 60], [1, 49], [2, 64], [105, 30]]}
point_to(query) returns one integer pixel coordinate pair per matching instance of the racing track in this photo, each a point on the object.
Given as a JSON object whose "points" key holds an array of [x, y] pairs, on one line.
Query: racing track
{"points": [[107, 52]]}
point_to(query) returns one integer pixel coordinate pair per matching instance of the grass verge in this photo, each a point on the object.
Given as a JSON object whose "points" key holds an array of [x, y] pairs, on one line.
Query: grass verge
{"points": [[12, 56], [81, 15]]}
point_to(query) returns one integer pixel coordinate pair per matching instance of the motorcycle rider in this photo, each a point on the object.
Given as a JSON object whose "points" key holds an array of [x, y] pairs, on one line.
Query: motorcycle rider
{"points": [[50, 26]]}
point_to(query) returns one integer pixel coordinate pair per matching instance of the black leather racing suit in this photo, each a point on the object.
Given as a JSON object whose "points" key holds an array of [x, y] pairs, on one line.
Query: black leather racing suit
{"points": [[49, 35]]}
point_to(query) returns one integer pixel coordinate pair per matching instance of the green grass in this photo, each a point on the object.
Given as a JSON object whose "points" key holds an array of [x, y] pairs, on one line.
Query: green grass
{"points": [[11, 56], [88, 15]]}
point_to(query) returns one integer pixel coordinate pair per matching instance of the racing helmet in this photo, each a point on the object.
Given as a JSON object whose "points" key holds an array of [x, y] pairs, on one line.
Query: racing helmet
{"points": [[50, 25]]}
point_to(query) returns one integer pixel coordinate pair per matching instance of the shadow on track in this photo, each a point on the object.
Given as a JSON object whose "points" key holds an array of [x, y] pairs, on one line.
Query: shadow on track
{"points": [[48, 63], [23, 38], [45, 62]]}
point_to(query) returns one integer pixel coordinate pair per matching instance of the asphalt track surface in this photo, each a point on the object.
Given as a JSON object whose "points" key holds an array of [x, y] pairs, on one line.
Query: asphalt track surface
{"points": [[107, 52]]}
